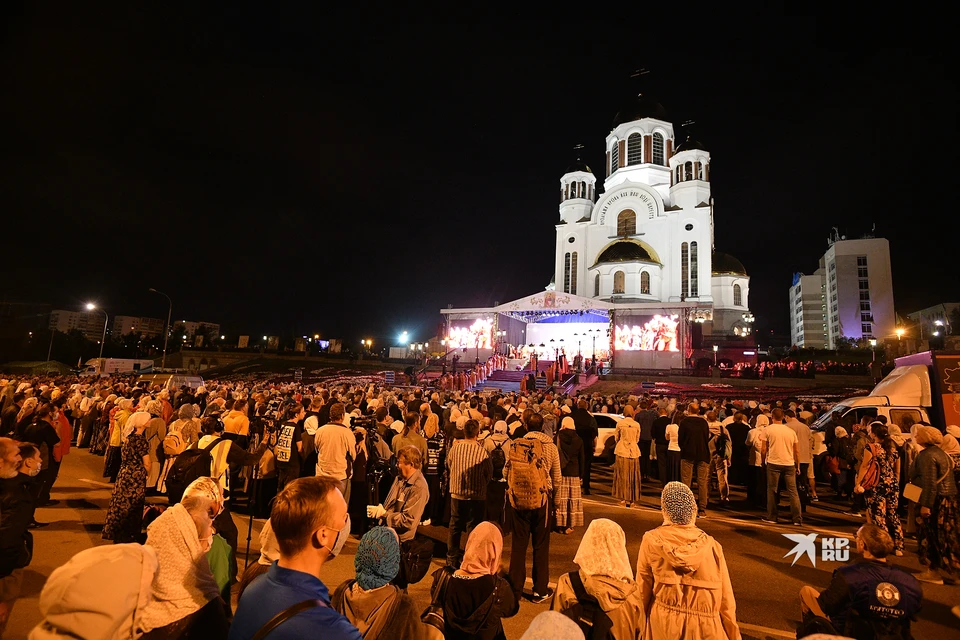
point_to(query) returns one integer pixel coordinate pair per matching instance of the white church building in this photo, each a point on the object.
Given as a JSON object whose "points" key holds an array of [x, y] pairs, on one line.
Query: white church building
{"points": [[643, 248]]}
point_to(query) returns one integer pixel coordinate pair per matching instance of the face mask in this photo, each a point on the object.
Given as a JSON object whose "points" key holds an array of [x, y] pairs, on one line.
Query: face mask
{"points": [[35, 471], [342, 536]]}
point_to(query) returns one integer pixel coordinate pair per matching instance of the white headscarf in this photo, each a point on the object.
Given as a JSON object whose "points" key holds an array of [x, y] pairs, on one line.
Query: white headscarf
{"points": [[603, 551]]}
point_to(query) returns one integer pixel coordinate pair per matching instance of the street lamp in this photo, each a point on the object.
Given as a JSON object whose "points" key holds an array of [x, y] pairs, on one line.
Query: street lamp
{"points": [[716, 354], [93, 307], [166, 333], [900, 332], [873, 349]]}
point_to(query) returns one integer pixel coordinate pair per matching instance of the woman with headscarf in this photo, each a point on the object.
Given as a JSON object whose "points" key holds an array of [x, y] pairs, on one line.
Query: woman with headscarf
{"points": [[155, 432], [938, 530], [100, 438], [882, 499], [569, 499], [477, 596], [602, 596], [125, 515], [684, 583], [626, 469], [25, 415], [118, 420], [371, 603], [842, 448], [952, 449], [551, 625]]}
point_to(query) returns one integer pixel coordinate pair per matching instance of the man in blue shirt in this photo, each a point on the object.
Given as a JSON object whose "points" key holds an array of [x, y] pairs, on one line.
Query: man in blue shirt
{"points": [[309, 518]]}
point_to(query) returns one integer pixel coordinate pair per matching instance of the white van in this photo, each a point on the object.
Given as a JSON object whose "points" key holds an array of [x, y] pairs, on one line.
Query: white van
{"points": [[904, 392], [170, 381]]}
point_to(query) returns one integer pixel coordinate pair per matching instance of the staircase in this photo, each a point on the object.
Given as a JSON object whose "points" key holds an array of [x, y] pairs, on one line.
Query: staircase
{"points": [[504, 380]]}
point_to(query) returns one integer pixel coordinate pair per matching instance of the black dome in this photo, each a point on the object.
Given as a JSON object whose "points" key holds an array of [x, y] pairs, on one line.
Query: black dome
{"points": [[725, 264], [624, 251], [690, 143], [578, 165], [639, 107]]}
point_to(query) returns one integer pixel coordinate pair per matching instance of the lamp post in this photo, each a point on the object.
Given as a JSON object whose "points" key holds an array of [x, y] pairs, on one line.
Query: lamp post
{"points": [[166, 333], [93, 307], [900, 332], [716, 355], [873, 349]]}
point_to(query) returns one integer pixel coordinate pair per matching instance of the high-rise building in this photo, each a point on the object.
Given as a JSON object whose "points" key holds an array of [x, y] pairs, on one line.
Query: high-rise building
{"points": [[857, 288], [148, 327], [90, 323], [808, 311]]}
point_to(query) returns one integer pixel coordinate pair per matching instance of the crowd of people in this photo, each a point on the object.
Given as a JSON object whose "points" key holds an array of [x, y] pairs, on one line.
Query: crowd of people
{"points": [[323, 463]]}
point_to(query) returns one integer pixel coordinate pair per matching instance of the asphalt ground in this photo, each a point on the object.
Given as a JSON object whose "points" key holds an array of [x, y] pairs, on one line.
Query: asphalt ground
{"points": [[764, 582]]}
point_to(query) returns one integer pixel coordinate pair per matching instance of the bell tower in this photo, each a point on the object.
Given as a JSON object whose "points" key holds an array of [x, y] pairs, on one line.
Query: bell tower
{"points": [[578, 191]]}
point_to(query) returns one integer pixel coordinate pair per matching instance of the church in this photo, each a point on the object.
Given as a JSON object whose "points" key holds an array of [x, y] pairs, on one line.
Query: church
{"points": [[639, 258]]}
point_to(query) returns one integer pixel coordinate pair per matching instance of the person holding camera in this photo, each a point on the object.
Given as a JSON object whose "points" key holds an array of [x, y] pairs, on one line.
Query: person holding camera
{"points": [[403, 508]]}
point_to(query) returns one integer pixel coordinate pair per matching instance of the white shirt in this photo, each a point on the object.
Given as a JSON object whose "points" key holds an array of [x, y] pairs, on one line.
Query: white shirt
{"points": [[803, 439], [780, 440], [671, 434]]}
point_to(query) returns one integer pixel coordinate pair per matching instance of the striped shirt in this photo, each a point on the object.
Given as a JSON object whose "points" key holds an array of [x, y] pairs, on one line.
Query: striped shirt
{"points": [[470, 470]]}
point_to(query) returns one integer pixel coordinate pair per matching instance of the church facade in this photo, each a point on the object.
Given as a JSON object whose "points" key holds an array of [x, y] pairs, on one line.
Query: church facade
{"points": [[649, 238]]}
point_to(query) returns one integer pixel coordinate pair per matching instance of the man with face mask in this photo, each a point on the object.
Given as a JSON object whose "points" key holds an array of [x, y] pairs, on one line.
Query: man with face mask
{"points": [[43, 433], [16, 543], [311, 523]]}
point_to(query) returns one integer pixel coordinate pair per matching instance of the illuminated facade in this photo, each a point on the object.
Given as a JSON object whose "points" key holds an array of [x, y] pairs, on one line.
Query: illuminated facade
{"points": [[649, 238]]}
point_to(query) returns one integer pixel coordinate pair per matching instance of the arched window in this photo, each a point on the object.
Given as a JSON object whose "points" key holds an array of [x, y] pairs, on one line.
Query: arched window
{"points": [[658, 148], [618, 282], [645, 283], [635, 149], [684, 270], [566, 272], [688, 171], [573, 274], [582, 192], [596, 286], [700, 166], [615, 157], [737, 296], [626, 223], [694, 272], [679, 176]]}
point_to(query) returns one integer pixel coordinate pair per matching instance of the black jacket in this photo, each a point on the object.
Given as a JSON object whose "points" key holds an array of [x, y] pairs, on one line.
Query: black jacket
{"points": [[586, 425], [872, 599], [571, 453], [16, 512], [693, 436]]}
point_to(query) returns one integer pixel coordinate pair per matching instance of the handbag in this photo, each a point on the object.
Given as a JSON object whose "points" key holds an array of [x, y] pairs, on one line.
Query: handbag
{"points": [[832, 464], [913, 492], [433, 614], [415, 557]]}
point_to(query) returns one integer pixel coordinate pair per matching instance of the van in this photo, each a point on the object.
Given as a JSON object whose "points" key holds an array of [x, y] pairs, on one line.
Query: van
{"points": [[170, 381], [923, 386]]}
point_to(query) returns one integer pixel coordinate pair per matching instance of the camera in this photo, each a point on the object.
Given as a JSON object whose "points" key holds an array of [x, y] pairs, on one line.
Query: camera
{"points": [[366, 422]]}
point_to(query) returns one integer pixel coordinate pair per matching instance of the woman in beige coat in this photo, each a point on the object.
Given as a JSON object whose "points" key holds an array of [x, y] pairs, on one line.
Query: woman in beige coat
{"points": [[684, 583], [602, 596]]}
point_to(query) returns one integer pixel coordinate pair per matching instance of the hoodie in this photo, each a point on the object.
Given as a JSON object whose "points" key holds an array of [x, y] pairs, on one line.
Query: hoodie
{"points": [[685, 585], [619, 600]]}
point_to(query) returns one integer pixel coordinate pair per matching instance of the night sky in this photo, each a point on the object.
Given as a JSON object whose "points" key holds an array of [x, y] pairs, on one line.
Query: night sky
{"points": [[290, 173]]}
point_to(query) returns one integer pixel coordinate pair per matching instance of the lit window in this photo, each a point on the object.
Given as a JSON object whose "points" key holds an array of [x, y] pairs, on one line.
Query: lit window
{"points": [[566, 273], [626, 223], [618, 282], [615, 157], [738, 296], [694, 272], [645, 283], [573, 274], [684, 270], [634, 149], [657, 148]]}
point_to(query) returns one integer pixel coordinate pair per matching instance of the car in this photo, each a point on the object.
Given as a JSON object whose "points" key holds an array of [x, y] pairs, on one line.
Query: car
{"points": [[606, 438]]}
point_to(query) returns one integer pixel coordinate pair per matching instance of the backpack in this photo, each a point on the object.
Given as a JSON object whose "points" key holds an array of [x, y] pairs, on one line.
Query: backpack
{"points": [[527, 478], [720, 444], [498, 458], [189, 465], [173, 444], [593, 620], [872, 476]]}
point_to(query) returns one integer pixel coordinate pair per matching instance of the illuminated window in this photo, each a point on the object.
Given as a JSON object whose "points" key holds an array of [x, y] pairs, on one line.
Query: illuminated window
{"points": [[618, 282], [645, 283], [657, 148], [626, 223], [615, 157], [684, 270], [688, 171], [566, 273], [635, 149], [570, 273], [694, 273], [596, 286], [737, 296]]}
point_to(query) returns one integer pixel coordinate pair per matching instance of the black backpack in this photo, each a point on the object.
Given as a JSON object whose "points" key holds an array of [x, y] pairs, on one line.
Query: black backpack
{"points": [[498, 458], [188, 466], [720, 444]]}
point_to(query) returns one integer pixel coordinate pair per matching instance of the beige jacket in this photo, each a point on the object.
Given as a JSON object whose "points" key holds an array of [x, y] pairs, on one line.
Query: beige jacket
{"points": [[685, 586], [619, 600]]}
